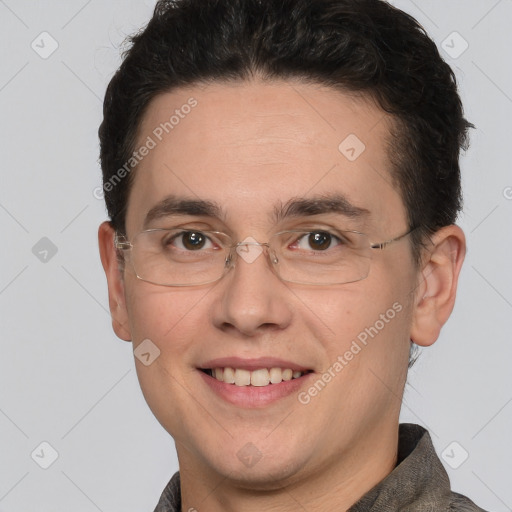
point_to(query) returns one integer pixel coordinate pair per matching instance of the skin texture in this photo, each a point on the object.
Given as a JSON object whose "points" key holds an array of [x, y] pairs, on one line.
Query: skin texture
{"points": [[249, 147]]}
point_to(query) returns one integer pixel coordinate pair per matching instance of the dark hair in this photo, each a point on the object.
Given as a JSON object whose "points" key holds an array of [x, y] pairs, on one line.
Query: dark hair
{"points": [[364, 46]]}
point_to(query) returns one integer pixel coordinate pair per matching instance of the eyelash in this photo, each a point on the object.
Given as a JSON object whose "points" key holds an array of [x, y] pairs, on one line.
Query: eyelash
{"points": [[295, 241], [323, 232], [177, 236]]}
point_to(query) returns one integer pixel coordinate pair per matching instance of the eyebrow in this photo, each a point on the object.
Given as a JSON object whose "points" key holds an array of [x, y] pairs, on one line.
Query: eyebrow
{"points": [[295, 207], [172, 205], [331, 203]]}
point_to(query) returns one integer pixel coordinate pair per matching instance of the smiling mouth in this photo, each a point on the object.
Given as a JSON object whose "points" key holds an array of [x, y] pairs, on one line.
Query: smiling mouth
{"points": [[258, 378]]}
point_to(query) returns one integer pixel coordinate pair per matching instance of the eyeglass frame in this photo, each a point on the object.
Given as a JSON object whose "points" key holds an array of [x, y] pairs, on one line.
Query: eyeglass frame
{"points": [[121, 243]]}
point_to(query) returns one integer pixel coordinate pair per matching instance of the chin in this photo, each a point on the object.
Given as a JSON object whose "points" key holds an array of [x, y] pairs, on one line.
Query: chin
{"points": [[267, 470]]}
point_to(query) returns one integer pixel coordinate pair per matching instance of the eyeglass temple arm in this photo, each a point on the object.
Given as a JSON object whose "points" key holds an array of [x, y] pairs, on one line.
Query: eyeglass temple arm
{"points": [[120, 242], [382, 245]]}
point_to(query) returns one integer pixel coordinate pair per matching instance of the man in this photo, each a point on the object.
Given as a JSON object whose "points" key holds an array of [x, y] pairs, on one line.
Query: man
{"points": [[282, 180]]}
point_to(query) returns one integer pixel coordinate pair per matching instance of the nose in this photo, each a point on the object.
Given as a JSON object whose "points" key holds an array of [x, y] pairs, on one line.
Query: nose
{"points": [[252, 298]]}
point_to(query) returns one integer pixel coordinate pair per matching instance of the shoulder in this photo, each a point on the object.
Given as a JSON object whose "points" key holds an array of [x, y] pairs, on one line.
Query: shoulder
{"points": [[459, 503]]}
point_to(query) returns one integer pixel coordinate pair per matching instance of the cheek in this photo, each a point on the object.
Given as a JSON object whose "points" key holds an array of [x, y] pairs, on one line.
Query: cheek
{"points": [[368, 356], [355, 311], [173, 320], [160, 314], [364, 330]]}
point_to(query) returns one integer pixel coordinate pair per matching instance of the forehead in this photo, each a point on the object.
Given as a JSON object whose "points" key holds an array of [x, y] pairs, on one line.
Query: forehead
{"points": [[252, 146]]}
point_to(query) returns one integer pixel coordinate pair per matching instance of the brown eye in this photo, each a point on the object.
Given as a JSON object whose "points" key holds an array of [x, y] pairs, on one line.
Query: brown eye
{"points": [[320, 240], [189, 241], [193, 240]]}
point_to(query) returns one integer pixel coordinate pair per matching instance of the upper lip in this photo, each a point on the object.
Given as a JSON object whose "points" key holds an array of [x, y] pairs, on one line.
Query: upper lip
{"points": [[252, 364]]}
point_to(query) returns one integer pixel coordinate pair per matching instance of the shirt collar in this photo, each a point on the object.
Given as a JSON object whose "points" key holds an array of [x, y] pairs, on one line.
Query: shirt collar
{"points": [[419, 478]]}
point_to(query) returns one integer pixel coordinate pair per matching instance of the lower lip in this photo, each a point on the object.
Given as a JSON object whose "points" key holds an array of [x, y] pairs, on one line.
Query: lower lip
{"points": [[254, 396]]}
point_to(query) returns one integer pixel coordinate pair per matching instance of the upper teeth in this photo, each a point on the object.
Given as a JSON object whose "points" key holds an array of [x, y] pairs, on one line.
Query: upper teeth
{"points": [[261, 377]]}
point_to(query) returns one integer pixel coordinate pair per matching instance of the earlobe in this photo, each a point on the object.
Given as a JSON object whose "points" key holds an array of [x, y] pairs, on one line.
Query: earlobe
{"points": [[116, 296], [437, 288]]}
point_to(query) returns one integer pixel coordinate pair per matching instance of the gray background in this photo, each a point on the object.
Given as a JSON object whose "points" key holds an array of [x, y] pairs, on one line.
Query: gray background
{"points": [[67, 380]]}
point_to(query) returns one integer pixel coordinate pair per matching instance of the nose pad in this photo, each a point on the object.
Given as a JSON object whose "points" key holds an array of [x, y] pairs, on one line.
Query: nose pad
{"points": [[229, 261]]}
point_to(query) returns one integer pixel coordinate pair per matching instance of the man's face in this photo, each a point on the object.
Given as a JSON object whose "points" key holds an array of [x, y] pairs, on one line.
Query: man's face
{"points": [[252, 149]]}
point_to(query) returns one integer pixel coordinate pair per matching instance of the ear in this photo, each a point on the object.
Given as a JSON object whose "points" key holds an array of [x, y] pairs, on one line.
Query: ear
{"points": [[435, 294], [116, 296]]}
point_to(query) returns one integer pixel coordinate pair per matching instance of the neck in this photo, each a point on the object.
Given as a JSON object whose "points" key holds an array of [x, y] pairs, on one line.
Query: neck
{"points": [[339, 483]]}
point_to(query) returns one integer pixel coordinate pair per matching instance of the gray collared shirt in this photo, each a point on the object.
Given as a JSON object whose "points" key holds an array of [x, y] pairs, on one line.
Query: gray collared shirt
{"points": [[419, 482]]}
